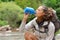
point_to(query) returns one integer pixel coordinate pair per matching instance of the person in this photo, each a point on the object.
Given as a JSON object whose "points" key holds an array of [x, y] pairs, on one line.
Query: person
{"points": [[43, 27]]}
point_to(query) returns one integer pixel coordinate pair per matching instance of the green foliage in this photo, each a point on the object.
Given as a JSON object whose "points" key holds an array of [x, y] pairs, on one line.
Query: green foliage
{"points": [[58, 32], [58, 4], [58, 12], [29, 3], [2, 23], [6, 0], [11, 12], [50, 3]]}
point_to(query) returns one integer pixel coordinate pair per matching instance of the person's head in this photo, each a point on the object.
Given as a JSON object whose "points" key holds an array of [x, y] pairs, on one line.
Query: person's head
{"points": [[43, 11], [39, 11]]}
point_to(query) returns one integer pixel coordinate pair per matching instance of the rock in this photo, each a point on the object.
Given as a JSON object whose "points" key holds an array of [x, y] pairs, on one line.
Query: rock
{"points": [[15, 30], [5, 28]]}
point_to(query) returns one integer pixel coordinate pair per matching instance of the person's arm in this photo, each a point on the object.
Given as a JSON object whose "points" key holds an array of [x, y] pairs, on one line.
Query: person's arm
{"points": [[51, 31], [27, 26], [22, 26], [27, 11]]}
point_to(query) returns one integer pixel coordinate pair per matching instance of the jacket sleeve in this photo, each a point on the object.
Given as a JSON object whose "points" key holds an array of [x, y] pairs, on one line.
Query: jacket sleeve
{"points": [[25, 26]]}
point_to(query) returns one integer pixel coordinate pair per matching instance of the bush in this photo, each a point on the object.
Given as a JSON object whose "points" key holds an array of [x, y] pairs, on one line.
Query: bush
{"points": [[2, 23], [50, 3], [11, 12], [58, 12]]}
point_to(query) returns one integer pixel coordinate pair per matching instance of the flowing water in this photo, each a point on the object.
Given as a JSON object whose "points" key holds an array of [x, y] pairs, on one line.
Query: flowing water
{"points": [[16, 36], [11, 36]]}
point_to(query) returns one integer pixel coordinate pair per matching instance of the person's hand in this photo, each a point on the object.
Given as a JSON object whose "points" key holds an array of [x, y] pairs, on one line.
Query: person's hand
{"points": [[25, 17]]}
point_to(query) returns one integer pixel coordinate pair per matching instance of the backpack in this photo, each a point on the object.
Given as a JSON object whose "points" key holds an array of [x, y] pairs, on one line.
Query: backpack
{"points": [[55, 21], [56, 24]]}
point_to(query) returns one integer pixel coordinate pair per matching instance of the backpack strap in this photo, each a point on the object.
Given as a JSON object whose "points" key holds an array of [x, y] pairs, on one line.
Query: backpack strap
{"points": [[41, 25]]}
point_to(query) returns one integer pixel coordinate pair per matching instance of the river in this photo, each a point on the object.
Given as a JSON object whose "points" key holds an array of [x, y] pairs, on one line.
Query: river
{"points": [[16, 36]]}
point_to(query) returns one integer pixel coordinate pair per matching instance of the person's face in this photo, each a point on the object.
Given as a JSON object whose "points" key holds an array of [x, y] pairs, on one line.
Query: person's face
{"points": [[39, 12]]}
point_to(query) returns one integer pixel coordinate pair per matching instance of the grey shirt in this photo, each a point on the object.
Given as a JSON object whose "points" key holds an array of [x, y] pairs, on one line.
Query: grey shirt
{"points": [[41, 36]]}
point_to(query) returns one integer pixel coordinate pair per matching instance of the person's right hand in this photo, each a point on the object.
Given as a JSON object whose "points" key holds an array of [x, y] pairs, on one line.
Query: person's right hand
{"points": [[25, 17]]}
